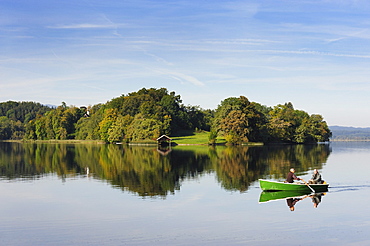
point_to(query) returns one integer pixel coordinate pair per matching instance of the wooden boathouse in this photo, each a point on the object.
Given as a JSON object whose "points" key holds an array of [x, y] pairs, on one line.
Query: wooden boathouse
{"points": [[164, 140]]}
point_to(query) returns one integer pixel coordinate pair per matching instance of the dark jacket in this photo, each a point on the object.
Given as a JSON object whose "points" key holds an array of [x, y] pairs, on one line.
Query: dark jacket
{"points": [[291, 177]]}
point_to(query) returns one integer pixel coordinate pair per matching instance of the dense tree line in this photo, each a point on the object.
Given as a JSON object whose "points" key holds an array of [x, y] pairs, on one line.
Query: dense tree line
{"points": [[59, 123], [15, 115], [145, 114], [149, 113], [240, 120]]}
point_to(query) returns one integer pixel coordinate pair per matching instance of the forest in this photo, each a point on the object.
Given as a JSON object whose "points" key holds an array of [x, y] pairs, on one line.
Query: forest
{"points": [[149, 113]]}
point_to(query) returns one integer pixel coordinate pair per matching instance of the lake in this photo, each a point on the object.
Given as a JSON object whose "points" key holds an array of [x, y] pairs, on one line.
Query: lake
{"points": [[90, 194]]}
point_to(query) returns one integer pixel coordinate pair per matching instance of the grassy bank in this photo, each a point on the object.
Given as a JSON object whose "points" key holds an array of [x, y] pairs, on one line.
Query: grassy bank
{"points": [[195, 138], [201, 138], [188, 138]]}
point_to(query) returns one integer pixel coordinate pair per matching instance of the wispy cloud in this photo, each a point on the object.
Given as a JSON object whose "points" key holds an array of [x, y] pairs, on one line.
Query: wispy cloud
{"points": [[179, 76], [84, 26], [357, 34], [185, 78], [157, 58], [310, 52], [232, 46]]}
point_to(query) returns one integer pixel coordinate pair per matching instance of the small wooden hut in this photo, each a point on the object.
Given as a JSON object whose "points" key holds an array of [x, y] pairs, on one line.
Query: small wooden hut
{"points": [[164, 140]]}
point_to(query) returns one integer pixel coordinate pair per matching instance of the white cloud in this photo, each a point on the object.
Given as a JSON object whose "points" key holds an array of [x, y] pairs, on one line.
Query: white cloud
{"points": [[85, 26], [185, 77]]}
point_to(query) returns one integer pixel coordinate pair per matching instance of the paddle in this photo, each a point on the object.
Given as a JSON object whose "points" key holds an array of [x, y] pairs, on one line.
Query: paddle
{"points": [[309, 186]]}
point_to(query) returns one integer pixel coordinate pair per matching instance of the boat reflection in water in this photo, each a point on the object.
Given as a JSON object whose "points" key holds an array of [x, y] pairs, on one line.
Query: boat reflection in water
{"points": [[291, 197]]}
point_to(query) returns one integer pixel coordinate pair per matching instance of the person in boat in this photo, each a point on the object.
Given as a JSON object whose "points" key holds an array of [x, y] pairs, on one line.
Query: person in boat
{"points": [[291, 176], [316, 177]]}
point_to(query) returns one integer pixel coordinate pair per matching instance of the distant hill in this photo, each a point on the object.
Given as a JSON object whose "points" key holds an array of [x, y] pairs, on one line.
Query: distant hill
{"points": [[343, 133]]}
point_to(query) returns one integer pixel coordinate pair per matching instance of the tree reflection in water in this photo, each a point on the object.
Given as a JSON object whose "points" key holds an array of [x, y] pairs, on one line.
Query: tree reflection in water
{"points": [[148, 172]]}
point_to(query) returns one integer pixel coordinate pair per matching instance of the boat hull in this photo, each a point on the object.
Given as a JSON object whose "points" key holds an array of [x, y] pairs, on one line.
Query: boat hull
{"points": [[267, 185]]}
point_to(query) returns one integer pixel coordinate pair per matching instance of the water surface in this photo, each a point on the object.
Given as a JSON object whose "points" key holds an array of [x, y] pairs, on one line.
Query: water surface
{"points": [[61, 194]]}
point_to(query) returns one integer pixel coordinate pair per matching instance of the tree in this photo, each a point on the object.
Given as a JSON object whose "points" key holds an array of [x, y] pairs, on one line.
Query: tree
{"points": [[198, 117], [312, 129], [87, 127], [57, 123], [222, 111], [40, 128], [117, 131], [239, 120], [110, 116], [18, 115], [235, 127], [212, 137], [142, 128], [179, 118], [5, 128], [296, 126], [283, 122]]}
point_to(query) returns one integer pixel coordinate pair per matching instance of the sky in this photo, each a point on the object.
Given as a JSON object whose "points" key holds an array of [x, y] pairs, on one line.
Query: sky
{"points": [[312, 53]]}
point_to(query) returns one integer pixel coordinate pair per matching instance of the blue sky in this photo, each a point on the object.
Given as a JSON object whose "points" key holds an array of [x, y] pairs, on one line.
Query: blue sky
{"points": [[315, 54]]}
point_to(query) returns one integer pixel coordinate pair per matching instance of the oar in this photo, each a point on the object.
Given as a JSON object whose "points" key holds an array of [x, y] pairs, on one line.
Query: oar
{"points": [[309, 186]]}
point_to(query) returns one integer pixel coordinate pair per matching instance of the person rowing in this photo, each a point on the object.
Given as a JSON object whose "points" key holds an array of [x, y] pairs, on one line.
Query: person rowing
{"points": [[291, 176]]}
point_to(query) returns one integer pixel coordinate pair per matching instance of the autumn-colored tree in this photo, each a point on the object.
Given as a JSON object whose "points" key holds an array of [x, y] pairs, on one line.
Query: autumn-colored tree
{"points": [[235, 127], [239, 120]]}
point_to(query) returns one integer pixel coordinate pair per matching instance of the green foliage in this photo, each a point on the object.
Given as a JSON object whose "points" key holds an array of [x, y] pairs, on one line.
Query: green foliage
{"points": [[153, 112], [235, 125], [199, 118], [87, 127], [56, 124], [295, 126], [312, 129], [16, 115], [239, 120], [110, 116], [149, 113], [22, 111], [232, 138], [116, 132], [212, 137], [144, 128], [5, 128]]}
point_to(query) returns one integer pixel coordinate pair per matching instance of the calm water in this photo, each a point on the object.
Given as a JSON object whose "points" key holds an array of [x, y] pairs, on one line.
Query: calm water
{"points": [[57, 194]]}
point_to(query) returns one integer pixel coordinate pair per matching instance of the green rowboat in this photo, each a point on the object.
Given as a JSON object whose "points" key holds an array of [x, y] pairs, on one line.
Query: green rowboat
{"points": [[267, 185]]}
